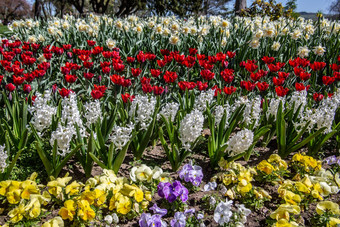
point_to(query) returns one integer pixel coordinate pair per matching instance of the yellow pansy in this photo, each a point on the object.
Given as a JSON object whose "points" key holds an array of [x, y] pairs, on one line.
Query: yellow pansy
{"points": [[114, 199], [275, 158], [17, 213], [68, 211], [324, 206], [133, 191], [265, 166], [29, 187], [33, 208], [333, 222], [96, 197], [285, 223], [13, 195], [54, 222], [243, 187], [284, 211], [144, 205], [55, 187], [289, 196], [148, 195], [73, 188], [85, 211], [124, 205], [4, 185], [302, 187]]}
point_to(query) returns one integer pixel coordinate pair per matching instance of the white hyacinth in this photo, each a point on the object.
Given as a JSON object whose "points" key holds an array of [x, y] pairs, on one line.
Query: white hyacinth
{"points": [[42, 112], [274, 105], [240, 142], [252, 110], [121, 136], [169, 111], [92, 112], [204, 98], [219, 111], [63, 135], [3, 158], [142, 109], [70, 114], [191, 128], [298, 98], [322, 116]]}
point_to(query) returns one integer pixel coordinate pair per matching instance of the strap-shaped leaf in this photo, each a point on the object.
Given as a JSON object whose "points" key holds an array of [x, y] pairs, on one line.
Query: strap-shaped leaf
{"points": [[47, 163]]}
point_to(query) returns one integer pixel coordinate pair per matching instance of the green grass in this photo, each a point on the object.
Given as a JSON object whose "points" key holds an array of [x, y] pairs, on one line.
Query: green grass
{"points": [[3, 29]]}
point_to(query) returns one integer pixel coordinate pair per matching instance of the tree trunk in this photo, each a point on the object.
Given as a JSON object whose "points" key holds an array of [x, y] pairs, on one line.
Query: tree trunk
{"points": [[37, 9], [240, 5]]}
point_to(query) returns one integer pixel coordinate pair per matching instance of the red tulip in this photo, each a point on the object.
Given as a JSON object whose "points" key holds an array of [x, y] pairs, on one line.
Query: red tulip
{"points": [[127, 97], [91, 43], [10, 87], [202, 86], [317, 97], [88, 75], [207, 74], [192, 51], [71, 78], [231, 54], [130, 59], [157, 90], [268, 60], [228, 75], [327, 80], [316, 66], [155, 72], [262, 86], [135, 72], [18, 80], [278, 81], [65, 92], [281, 91], [170, 77], [27, 88], [229, 90]]}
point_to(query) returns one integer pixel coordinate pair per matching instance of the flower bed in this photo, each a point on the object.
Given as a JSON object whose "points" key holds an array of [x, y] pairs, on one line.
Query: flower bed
{"points": [[240, 113]]}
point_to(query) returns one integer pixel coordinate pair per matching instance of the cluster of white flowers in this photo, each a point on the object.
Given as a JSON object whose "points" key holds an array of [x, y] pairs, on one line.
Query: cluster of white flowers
{"points": [[142, 109], [70, 117], [303, 51], [3, 158], [219, 111], [322, 116], [191, 128], [223, 213], [240, 142], [121, 135], [42, 112], [70, 113], [252, 111], [274, 105], [298, 98], [169, 111], [63, 135], [204, 98], [111, 219], [93, 112], [145, 173]]}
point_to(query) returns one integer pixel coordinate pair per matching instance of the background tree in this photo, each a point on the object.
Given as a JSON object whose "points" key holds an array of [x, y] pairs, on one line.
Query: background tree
{"points": [[14, 9], [240, 5], [335, 9], [216, 7]]}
